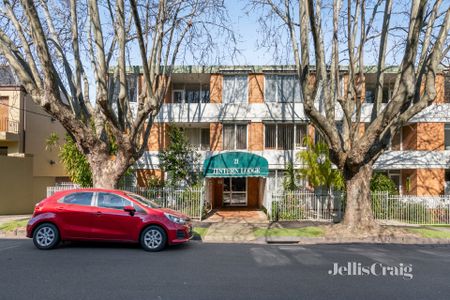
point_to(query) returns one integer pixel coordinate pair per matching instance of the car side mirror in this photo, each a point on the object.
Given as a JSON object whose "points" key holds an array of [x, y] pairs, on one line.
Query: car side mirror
{"points": [[130, 209]]}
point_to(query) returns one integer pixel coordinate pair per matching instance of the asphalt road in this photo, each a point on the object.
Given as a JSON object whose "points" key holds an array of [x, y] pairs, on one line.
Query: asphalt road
{"points": [[219, 271]]}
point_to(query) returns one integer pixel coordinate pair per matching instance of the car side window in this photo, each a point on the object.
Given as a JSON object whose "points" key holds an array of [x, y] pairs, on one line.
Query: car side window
{"points": [[80, 198], [108, 200]]}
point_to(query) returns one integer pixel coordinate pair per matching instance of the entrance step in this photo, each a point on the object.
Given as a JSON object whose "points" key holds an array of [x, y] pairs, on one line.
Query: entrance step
{"points": [[245, 216]]}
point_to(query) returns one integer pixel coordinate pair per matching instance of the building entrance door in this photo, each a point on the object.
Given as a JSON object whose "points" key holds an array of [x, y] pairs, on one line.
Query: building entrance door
{"points": [[235, 191]]}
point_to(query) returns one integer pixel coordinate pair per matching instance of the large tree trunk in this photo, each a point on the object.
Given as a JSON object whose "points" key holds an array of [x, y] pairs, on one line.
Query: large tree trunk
{"points": [[107, 169], [358, 211]]}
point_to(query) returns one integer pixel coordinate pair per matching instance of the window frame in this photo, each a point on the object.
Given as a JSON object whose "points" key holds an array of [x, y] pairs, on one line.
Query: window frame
{"points": [[235, 78], [93, 198], [199, 147], [183, 91], [234, 135], [277, 94], [294, 146], [97, 194]]}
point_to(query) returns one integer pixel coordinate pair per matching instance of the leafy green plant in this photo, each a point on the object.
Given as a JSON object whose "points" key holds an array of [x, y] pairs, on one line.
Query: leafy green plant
{"points": [[382, 183], [75, 163], [179, 160], [318, 170], [289, 182]]}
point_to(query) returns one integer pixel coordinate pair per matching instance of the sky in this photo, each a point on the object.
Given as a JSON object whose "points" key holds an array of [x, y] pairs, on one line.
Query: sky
{"points": [[247, 28]]}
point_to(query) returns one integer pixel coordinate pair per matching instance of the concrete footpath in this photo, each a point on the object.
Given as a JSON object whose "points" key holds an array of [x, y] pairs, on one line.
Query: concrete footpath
{"points": [[10, 218]]}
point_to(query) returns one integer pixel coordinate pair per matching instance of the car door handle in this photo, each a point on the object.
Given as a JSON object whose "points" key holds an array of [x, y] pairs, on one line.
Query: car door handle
{"points": [[60, 208], [99, 213]]}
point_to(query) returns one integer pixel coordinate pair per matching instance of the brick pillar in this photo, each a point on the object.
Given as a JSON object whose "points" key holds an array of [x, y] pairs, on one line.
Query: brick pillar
{"points": [[158, 138], [215, 86], [215, 136], [256, 88], [256, 136]]}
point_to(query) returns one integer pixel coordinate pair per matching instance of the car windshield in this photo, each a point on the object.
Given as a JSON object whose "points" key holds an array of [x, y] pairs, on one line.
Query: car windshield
{"points": [[144, 201]]}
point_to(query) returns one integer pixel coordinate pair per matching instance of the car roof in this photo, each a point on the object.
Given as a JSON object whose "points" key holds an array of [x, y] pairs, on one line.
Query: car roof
{"points": [[78, 190]]}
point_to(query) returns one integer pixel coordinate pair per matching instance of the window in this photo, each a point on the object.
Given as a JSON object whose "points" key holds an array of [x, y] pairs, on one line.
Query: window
{"points": [[234, 136], [190, 93], [82, 198], [108, 200], [284, 136], [276, 179], [282, 88], [235, 89], [178, 96], [370, 95], [387, 94], [132, 81], [198, 137], [447, 136]]}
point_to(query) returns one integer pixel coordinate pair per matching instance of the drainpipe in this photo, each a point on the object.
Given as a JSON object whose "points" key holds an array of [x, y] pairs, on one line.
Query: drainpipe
{"points": [[24, 122]]}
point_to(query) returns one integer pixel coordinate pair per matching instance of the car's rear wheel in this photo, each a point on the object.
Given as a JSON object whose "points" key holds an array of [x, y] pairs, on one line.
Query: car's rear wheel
{"points": [[46, 236], [153, 238]]}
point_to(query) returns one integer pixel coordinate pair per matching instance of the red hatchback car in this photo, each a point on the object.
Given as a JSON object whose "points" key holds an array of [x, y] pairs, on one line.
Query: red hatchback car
{"points": [[106, 215]]}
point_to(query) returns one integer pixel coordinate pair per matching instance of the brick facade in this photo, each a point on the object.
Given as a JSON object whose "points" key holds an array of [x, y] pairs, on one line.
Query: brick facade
{"points": [[215, 136], [430, 182], [256, 136], [256, 88], [215, 88], [158, 138]]}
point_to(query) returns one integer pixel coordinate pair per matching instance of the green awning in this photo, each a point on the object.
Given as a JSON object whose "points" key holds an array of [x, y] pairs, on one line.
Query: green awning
{"points": [[236, 164]]}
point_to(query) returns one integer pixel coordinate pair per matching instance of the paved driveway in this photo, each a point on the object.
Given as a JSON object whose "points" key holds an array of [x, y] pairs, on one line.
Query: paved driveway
{"points": [[217, 271]]}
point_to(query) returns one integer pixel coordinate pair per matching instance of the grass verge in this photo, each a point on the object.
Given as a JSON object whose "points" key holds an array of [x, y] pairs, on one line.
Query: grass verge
{"points": [[311, 231], [13, 225], [431, 233]]}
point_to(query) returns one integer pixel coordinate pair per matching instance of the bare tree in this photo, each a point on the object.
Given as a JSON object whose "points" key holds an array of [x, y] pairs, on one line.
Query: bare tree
{"points": [[354, 29], [62, 52]]}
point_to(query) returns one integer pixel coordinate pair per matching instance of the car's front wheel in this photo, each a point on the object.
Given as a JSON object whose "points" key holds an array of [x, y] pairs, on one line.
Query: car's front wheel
{"points": [[46, 236], [153, 238]]}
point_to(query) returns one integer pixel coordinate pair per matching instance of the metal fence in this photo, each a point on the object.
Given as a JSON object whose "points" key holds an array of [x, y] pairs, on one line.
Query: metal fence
{"points": [[290, 206], [412, 209], [188, 201], [303, 205]]}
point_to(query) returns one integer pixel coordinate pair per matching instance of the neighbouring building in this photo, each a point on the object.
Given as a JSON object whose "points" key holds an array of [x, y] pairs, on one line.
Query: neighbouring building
{"points": [[26, 167], [248, 123]]}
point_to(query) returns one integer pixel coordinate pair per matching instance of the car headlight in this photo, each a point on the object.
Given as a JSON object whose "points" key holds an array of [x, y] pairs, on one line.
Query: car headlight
{"points": [[175, 219]]}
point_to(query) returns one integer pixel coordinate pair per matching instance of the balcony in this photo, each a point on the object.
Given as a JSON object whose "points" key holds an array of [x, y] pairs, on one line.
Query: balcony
{"points": [[9, 129]]}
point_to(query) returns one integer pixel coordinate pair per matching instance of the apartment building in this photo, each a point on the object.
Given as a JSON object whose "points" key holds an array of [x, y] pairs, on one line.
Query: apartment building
{"points": [[26, 166], [248, 123]]}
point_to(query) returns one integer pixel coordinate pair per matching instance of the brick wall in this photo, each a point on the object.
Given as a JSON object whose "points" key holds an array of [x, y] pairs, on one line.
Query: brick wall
{"points": [[215, 136], [409, 182], [158, 138], [430, 182], [430, 136], [215, 86], [410, 137], [440, 89], [256, 136], [256, 88]]}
